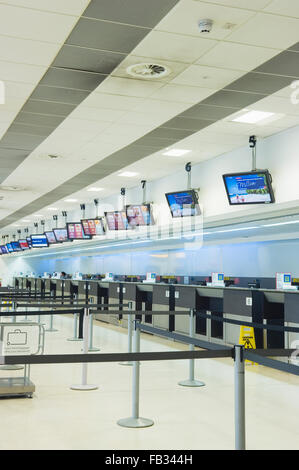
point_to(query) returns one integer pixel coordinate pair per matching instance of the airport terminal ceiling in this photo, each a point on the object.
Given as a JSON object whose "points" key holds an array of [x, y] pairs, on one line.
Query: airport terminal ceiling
{"points": [[96, 94]]}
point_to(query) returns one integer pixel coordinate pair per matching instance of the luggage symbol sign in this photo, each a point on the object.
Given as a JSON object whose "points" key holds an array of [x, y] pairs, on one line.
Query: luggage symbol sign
{"points": [[17, 338]]}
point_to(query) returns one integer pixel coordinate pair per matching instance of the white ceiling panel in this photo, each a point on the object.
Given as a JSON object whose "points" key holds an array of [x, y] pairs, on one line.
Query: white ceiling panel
{"points": [[96, 114], [170, 46], [207, 77], [99, 99], [129, 87], [252, 5], [182, 93], [268, 30], [10, 71], [276, 104], [236, 56], [67, 7], [183, 18], [33, 24], [25, 51], [284, 7]]}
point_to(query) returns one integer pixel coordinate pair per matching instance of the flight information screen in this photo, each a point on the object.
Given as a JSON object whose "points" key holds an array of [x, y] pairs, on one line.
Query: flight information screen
{"points": [[249, 188]]}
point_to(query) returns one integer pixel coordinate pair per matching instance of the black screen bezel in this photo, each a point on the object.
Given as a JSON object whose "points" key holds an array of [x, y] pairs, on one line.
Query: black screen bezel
{"points": [[194, 197], [256, 172]]}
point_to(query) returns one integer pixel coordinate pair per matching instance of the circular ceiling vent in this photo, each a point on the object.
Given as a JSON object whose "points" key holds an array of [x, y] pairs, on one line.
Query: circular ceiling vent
{"points": [[11, 188], [147, 70]]}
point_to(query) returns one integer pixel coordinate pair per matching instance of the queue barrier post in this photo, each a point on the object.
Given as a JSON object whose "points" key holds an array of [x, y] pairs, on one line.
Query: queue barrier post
{"points": [[191, 382], [130, 334], [76, 336], [84, 386], [51, 327], [240, 432], [135, 421], [91, 347]]}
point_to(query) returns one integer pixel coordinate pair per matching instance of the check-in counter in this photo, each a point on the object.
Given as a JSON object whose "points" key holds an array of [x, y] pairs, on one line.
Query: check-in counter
{"points": [[144, 301], [115, 298], [40, 287], [47, 286], [60, 288], [82, 291], [209, 300], [129, 294], [74, 289], [291, 319], [103, 298], [185, 300], [274, 314], [93, 292], [163, 299], [31, 285]]}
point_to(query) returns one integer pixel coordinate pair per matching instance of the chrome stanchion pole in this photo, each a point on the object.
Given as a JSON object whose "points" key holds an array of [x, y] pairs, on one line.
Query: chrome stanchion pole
{"points": [[130, 333], [191, 382], [91, 346], [135, 421], [84, 385], [240, 433], [75, 337]]}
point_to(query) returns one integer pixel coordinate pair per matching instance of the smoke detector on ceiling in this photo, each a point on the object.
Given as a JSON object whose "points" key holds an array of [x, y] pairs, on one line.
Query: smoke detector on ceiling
{"points": [[205, 26], [147, 70]]}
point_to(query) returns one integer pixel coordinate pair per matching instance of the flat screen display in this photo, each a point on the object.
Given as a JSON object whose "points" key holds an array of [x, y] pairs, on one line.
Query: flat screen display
{"points": [[39, 241], [93, 227], [15, 246], [51, 237], [139, 215], [9, 247], [4, 249], [183, 203], [23, 244], [75, 231], [249, 188], [29, 241], [61, 234], [116, 220]]}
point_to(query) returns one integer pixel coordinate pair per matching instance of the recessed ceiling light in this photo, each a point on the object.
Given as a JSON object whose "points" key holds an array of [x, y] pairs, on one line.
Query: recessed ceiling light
{"points": [[176, 152], [128, 174], [253, 117], [94, 189], [38, 215], [52, 209], [70, 200]]}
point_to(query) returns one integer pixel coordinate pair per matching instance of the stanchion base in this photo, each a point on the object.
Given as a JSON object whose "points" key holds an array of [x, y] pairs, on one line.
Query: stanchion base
{"points": [[12, 367], [51, 329], [191, 383], [135, 422], [75, 339], [125, 363], [84, 387], [93, 349]]}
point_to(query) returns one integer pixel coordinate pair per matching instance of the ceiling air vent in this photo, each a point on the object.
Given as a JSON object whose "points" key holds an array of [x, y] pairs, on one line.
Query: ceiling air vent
{"points": [[146, 70]]}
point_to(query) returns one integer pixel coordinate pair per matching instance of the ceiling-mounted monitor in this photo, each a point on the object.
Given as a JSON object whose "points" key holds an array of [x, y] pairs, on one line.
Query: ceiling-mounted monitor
{"points": [[24, 245], [61, 235], [4, 249], [15, 246], [51, 237], [116, 220], [183, 203], [29, 241], [251, 187], [75, 231], [39, 241], [93, 227], [139, 215]]}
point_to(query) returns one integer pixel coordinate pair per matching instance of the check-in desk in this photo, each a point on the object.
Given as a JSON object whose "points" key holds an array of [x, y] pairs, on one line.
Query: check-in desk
{"points": [[243, 305], [209, 300], [103, 298], [274, 314], [92, 292], [144, 301], [164, 299], [60, 288], [185, 300], [74, 289], [291, 319], [115, 298], [31, 286], [129, 294], [40, 287], [82, 291]]}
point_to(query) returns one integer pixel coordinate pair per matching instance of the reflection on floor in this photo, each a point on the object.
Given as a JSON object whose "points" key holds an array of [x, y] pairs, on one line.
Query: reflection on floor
{"points": [[201, 418]]}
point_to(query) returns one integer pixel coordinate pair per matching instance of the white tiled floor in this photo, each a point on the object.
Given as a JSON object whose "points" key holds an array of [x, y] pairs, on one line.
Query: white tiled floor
{"points": [[202, 418]]}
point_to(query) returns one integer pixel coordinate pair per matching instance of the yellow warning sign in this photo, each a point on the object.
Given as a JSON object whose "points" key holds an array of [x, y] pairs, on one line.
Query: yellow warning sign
{"points": [[247, 338]]}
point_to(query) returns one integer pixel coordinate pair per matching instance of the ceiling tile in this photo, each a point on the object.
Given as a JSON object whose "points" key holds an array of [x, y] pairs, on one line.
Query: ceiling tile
{"points": [[294, 47], [46, 107], [75, 7], [58, 77], [253, 5], [170, 46], [129, 87], [199, 111], [275, 104], [187, 123], [20, 141], [33, 24], [110, 101], [260, 83], [90, 60], [287, 8], [236, 56], [168, 133], [181, 93], [267, 30], [39, 119], [136, 12], [22, 128], [286, 63], [61, 95], [183, 18], [96, 114], [105, 35], [11, 71], [26, 51], [206, 77], [234, 99]]}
